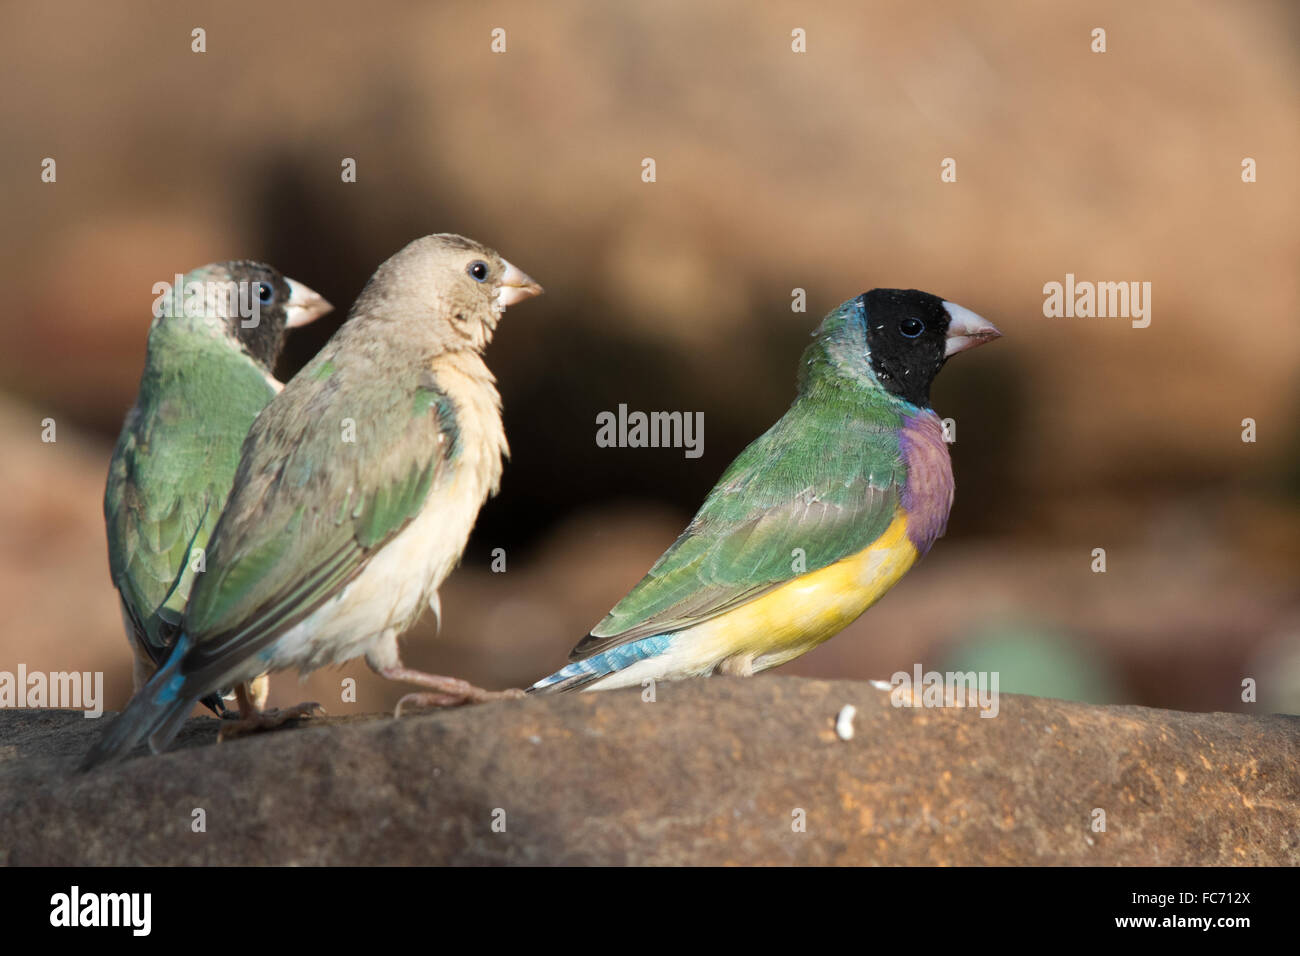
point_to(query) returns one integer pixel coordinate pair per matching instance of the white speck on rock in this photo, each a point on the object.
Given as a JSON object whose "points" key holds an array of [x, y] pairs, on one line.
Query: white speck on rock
{"points": [[881, 684], [844, 722]]}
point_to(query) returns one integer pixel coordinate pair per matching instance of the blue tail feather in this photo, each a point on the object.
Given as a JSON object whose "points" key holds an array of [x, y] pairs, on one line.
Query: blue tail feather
{"points": [[593, 668]]}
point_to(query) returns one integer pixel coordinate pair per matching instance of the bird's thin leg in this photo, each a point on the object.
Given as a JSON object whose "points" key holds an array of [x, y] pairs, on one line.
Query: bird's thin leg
{"points": [[443, 691], [259, 689], [252, 719]]}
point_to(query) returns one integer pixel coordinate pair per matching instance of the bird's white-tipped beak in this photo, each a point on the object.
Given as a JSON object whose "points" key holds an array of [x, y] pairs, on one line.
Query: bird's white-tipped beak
{"points": [[304, 305], [515, 286], [966, 329]]}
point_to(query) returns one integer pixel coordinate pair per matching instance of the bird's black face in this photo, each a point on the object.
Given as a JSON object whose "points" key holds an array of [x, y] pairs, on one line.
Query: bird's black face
{"points": [[270, 291], [907, 335]]}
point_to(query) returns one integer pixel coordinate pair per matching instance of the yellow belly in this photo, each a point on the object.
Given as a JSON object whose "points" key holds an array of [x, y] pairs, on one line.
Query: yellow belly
{"points": [[799, 615]]}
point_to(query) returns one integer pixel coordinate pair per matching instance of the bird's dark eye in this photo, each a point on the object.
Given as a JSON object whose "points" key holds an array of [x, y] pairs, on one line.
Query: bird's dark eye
{"points": [[265, 293], [479, 270], [911, 327]]}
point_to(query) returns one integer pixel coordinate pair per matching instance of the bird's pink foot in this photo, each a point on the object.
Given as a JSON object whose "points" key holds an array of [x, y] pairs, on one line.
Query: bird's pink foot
{"points": [[443, 691], [433, 699]]}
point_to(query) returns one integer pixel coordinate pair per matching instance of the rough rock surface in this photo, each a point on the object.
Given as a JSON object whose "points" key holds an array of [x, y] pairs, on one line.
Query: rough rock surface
{"points": [[712, 772]]}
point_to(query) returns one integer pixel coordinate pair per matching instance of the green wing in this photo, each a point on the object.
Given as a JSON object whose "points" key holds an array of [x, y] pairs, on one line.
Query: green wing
{"points": [[824, 479], [171, 471], [328, 477]]}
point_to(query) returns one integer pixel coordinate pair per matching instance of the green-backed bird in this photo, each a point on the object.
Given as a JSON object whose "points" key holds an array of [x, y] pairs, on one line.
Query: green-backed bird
{"points": [[814, 521], [208, 371], [355, 494]]}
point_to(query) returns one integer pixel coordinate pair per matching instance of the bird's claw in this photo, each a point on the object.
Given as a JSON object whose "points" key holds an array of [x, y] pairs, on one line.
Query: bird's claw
{"points": [[268, 720], [473, 695]]}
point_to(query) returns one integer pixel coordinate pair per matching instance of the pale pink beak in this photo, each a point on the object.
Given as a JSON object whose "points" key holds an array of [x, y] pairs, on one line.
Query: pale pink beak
{"points": [[304, 305], [966, 329], [515, 286]]}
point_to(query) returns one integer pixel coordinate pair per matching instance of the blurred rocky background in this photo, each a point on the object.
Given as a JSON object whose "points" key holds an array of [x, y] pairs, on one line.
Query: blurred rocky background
{"points": [[775, 171]]}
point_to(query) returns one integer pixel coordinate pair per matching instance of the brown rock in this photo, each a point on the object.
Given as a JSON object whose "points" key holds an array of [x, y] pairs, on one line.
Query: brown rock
{"points": [[713, 772]]}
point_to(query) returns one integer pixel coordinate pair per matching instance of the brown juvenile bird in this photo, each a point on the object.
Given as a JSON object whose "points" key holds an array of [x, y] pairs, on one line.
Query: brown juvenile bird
{"points": [[355, 495]]}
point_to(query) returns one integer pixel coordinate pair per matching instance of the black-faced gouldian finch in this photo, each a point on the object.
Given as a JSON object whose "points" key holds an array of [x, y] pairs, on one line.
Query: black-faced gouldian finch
{"points": [[355, 494], [208, 372], [813, 522]]}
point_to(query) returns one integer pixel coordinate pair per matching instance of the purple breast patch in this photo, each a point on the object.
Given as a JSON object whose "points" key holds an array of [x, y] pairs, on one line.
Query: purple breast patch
{"points": [[927, 496]]}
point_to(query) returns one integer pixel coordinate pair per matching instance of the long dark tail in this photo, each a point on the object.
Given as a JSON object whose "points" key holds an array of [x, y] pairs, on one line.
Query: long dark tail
{"points": [[156, 712]]}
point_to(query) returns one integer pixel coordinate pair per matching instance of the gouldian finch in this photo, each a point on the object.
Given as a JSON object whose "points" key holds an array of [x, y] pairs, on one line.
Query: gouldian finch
{"points": [[356, 492], [814, 521], [208, 372]]}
